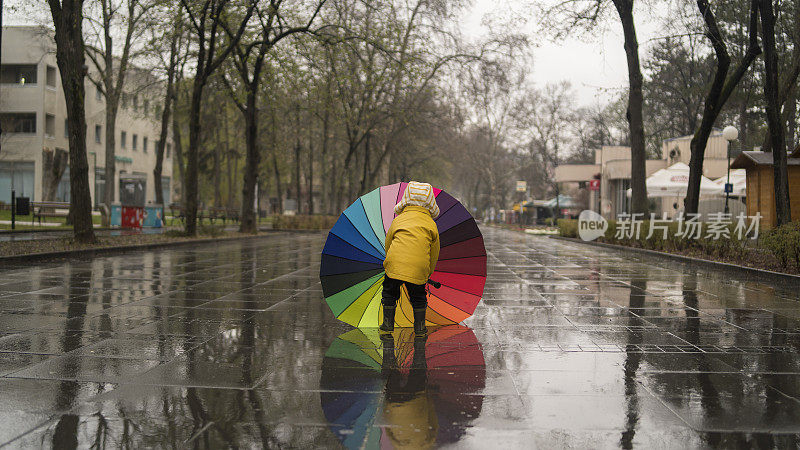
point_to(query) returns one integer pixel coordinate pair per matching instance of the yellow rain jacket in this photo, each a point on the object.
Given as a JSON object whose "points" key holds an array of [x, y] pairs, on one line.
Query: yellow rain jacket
{"points": [[412, 246]]}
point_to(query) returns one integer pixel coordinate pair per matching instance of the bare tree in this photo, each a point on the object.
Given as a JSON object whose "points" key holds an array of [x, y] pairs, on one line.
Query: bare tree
{"points": [[206, 21], [587, 14], [68, 21], [249, 62], [172, 65], [776, 127], [721, 88], [111, 73]]}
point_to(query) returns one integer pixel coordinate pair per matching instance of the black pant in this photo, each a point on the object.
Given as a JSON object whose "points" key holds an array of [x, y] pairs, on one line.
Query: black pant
{"points": [[391, 293]]}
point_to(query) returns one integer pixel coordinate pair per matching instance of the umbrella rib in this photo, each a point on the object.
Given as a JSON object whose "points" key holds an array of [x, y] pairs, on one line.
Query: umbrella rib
{"points": [[457, 289], [442, 213], [361, 317], [445, 301], [359, 295], [359, 233], [363, 208], [351, 245]]}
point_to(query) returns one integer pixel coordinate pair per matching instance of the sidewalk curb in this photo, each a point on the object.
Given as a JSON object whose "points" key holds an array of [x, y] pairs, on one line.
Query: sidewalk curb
{"points": [[30, 257], [688, 259]]}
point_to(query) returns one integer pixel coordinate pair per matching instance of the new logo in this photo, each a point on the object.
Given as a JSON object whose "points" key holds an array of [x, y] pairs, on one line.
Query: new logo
{"points": [[591, 225]]}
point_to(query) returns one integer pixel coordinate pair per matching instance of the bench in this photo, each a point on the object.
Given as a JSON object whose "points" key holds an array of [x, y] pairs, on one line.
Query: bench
{"points": [[177, 212], [224, 214], [49, 209]]}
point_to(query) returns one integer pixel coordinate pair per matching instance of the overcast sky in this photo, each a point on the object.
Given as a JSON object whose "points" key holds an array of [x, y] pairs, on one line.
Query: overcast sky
{"points": [[595, 65]]}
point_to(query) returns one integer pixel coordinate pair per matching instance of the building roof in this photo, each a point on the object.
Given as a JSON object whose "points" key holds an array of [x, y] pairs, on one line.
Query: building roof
{"points": [[576, 172], [751, 159]]}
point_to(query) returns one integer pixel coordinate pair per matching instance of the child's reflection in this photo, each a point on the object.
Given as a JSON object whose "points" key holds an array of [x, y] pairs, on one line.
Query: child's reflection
{"points": [[408, 407]]}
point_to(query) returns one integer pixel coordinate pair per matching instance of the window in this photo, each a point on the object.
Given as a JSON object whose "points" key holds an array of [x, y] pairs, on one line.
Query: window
{"points": [[124, 100], [98, 94], [146, 106], [97, 133], [99, 186], [18, 122], [66, 128], [123, 139], [144, 144], [135, 102], [169, 149], [51, 77], [18, 74], [50, 125], [134, 142], [158, 111], [16, 175]]}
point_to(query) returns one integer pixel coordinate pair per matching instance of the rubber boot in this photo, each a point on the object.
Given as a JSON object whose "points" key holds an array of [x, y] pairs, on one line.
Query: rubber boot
{"points": [[419, 321], [389, 360], [388, 320]]}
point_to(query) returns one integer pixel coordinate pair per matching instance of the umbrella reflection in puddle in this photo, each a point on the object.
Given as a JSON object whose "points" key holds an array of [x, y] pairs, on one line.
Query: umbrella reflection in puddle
{"points": [[395, 391]]}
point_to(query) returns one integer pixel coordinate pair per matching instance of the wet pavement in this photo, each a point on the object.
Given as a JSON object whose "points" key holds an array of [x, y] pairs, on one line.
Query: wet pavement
{"points": [[232, 345]]}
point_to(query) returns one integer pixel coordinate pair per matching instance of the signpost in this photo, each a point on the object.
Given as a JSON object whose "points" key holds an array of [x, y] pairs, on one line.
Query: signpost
{"points": [[594, 185], [522, 186]]}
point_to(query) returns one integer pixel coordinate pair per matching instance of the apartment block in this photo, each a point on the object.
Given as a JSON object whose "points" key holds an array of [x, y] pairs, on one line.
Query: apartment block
{"points": [[34, 119]]}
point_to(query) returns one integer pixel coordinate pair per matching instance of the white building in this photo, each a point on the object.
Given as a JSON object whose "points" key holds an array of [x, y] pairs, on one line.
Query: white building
{"points": [[612, 167], [34, 117]]}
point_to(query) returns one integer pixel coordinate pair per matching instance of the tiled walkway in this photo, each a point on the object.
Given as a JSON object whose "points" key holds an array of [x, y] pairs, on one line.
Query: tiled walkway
{"points": [[231, 345]]}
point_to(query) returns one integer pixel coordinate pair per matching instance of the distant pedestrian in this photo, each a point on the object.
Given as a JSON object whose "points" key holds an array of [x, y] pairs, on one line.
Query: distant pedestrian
{"points": [[412, 250]]}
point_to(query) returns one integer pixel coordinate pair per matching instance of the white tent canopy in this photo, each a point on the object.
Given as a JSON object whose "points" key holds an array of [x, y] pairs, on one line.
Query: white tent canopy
{"points": [[674, 182], [739, 181]]}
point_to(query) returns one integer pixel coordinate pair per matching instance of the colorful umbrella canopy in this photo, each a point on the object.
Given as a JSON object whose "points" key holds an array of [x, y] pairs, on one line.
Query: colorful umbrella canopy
{"points": [[352, 262], [355, 388]]}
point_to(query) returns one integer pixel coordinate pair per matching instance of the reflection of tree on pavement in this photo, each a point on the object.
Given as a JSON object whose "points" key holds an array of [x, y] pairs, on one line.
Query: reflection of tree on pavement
{"points": [[408, 407]]}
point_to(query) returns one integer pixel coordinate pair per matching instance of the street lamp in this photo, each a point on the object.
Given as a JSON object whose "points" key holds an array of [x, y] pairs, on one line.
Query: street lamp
{"points": [[730, 133]]}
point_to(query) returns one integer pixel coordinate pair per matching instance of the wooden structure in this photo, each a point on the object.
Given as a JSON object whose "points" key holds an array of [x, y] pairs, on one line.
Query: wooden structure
{"points": [[761, 187]]}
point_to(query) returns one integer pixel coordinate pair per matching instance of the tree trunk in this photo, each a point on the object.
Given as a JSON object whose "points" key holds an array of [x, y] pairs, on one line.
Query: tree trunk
{"points": [[310, 180], [218, 164], [68, 20], [365, 174], [252, 163], [774, 122], [721, 89], [326, 172], [639, 202], [297, 186], [165, 116], [192, 157], [177, 141], [53, 165], [790, 119]]}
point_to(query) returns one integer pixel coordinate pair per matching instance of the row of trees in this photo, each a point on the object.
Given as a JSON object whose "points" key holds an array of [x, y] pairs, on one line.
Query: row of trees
{"points": [[319, 101], [707, 70], [316, 101]]}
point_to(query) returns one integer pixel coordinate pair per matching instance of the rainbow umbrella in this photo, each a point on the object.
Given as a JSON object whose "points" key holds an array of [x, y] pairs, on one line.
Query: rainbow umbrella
{"points": [[353, 383], [352, 262]]}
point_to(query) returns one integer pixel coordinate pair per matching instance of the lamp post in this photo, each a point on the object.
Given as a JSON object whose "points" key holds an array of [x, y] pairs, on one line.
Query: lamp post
{"points": [[730, 134]]}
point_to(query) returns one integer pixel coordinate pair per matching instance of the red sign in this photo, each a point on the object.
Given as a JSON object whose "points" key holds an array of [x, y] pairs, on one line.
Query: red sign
{"points": [[594, 185], [132, 217]]}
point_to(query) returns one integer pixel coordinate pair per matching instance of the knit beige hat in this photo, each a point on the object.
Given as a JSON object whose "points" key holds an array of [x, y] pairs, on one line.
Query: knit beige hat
{"points": [[418, 194]]}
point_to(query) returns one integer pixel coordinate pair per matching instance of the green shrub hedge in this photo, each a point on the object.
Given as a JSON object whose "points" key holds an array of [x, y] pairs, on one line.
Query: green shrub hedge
{"points": [[784, 243], [722, 247], [304, 222]]}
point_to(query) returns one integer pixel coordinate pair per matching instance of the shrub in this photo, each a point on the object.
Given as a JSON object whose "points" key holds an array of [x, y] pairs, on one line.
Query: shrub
{"points": [[784, 243], [568, 228]]}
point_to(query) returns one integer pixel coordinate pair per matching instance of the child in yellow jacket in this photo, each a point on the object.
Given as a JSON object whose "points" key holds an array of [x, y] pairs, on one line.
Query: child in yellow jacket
{"points": [[412, 250]]}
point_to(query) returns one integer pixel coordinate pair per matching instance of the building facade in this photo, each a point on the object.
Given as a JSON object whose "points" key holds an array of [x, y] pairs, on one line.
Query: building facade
{"points": [[34, 117], [612, 166]]}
